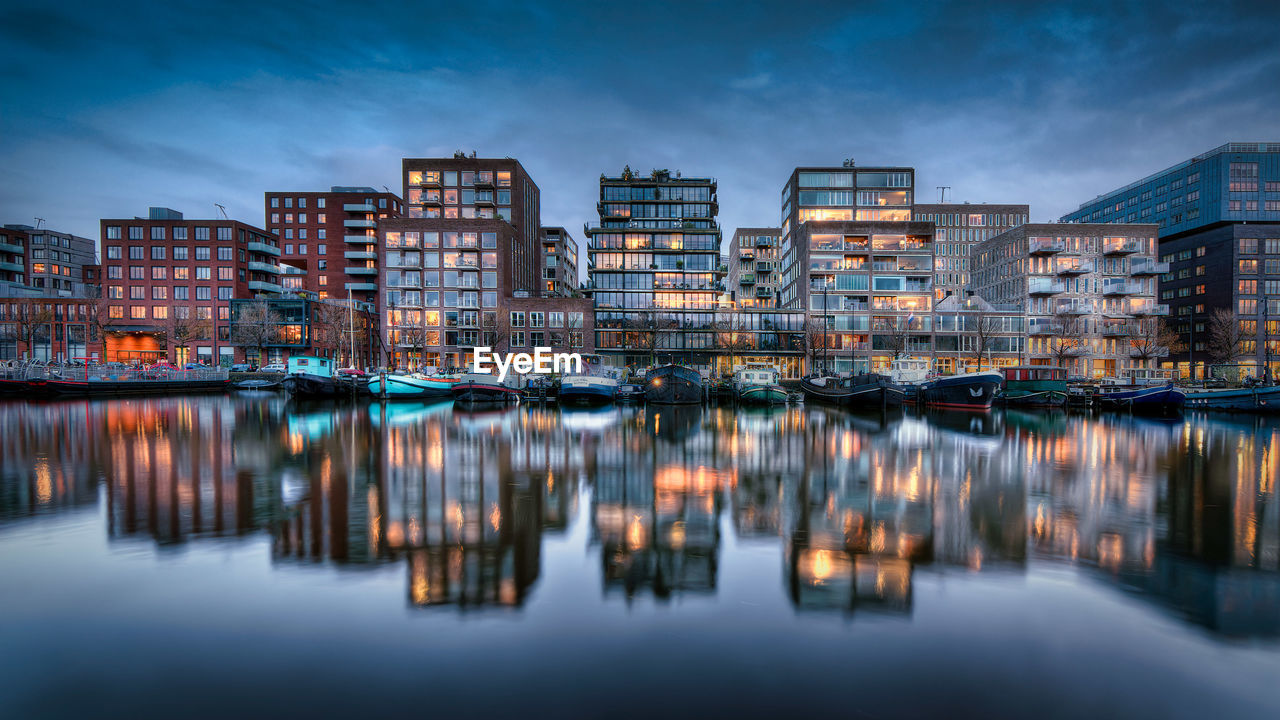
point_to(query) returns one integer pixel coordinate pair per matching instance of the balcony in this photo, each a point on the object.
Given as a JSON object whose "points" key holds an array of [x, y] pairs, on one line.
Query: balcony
{"points": [[264, 249], [360, 270], [1068, 267], [765, 241], [361, 255], [1043, 328], [272, 268], [764, 292], [1144, 266], [360, 223], [264, 286], [747, 253], [1115, 330], [13, 267], [1120, 286], [291, 270], [765, 266], [359, 207], [1044, 286], [1148, 310], [483, 182], [1121, 246], [11, 248], [1074, 309], [361, 286], [747, 279], [430, 182], [1045, 246], [360, 239]]}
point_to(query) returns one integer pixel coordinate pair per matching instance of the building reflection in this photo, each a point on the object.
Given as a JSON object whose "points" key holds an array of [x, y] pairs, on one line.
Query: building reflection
{"points": [[1180, 513]]}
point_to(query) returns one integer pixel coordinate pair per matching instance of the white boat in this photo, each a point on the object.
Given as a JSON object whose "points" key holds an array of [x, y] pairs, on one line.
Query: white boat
{"points": [[597, 384], [758, 384]]}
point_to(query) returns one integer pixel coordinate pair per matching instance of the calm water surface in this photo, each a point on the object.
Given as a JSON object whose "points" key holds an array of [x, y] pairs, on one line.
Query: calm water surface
{"points": [[245, 556]]}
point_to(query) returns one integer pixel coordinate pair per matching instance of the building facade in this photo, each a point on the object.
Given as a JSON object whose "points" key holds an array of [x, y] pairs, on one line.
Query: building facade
{"points": [[328, 240], [754, 266], [1088, 293], [960, 226], [273, 329], [51, 262], [1212, 211], [559, 263], [164, 273], [50, 329], [13, 259], [654, 268]]}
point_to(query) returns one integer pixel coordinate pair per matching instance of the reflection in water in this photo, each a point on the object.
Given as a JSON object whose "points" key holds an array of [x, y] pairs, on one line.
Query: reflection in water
{"points": [[1181, 514]]}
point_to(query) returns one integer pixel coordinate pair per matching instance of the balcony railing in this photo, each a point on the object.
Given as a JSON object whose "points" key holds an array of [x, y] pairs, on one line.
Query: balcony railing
{"points": [[1119, 286], [764, 292], [1115, 330], [747, 279], [1043, 328], [1145, 266], [359, 207], [361, 255], [1121, 246], [11, 248], [360, 223], [360, 239], [1074, 309], [1044, 246], [264, 249], [1149, 309], [1069, 266], [13, 267], [1044, 286], [263, 286], [265, 267], [360, 270], [361, 286]]}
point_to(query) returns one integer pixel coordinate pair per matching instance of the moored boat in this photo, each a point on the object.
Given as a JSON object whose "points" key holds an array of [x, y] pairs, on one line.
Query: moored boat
{"points": [[411, 386], [826, 389], [597, 387], [673, 384], [871, 391], [1155, 398], [1264, 399], [483, 389], [310, 376], [758, 385], [1034, 386], [908, 375], [630, 392], [967, 391]]}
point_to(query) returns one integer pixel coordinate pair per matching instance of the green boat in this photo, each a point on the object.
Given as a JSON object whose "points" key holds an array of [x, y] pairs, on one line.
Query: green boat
{"points": [[758, 385], [1035, 386]]}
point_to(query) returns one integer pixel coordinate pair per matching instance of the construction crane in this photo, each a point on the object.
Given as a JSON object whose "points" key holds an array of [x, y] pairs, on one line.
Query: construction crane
{"points": [[222, 210], [942, 193]]}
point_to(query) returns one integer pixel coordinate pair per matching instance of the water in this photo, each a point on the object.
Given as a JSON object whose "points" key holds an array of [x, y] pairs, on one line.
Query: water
{"points": [[244, 556]]}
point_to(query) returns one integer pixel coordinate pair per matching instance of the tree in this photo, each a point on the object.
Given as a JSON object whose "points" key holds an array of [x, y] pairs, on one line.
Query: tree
{"points": [[893, 333], [733, 335], [646, 331], [180, 331], [982, 331], [1151, 339], [28, 323], [1225, 341], [1067, 340], [101, 323], [255, 325], [815, 339]]}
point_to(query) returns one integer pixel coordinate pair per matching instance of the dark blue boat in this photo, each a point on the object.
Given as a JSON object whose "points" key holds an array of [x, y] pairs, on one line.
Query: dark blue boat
{"points": [[673, 384], [968, 391], [1154, 399], [1257, 399]]}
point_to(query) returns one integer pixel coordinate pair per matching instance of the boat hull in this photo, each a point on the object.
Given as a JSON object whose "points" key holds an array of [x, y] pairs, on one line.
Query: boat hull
{"points": [[1159, 399], [1263, 399], [762, 395], [125, 387], [814, 392], [580, 390], [407, 387], [1044, 398], [871, 396], [975, 391], [673, 385], [310, 386], [478, 393]]}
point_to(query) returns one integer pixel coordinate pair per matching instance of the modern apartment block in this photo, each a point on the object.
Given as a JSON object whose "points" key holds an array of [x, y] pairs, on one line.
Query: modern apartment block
{"points": [[53, 263], [163, 270], [328, 240], [13, 261], [1088, 292], [559, 263], [463, 267], [654, 268], [960, 226], [754, 267], [1217, 213]]}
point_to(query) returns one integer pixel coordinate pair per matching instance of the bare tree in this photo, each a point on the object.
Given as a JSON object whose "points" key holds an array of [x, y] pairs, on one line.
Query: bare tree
{"points": [[1225, 338], [893, 333], [255, 325], [982, 331], [645, 331], [815, 339], [733, 335], [1067, 341], [495, 330], [181, 330], [1151, 339], [28, 323]]}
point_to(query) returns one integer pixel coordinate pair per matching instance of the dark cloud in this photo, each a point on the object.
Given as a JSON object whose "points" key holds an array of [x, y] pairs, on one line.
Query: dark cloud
{"points": [[188, 104]]}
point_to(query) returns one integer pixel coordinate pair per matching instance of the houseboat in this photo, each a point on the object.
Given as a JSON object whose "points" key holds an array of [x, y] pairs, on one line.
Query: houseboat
{"points": [[597, 384], [673, 384], [758, 385], [967, 391], [1263, 399], [390, 386], [483, 389], [1034, 386], [908, 374], [310, 376]]}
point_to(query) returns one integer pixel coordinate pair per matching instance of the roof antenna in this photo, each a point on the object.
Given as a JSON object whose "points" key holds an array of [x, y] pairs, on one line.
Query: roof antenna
{"points": [[384, 187], [38, 221], [222, 210], [942, 193]]}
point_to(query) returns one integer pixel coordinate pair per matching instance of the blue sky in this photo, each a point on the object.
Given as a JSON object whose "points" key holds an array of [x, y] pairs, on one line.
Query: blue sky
{"points": [[109, 109]]}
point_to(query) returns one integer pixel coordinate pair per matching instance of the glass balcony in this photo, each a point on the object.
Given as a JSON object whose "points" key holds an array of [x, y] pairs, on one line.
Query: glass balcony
{"points": [[360, 239], [361, 286], [1044, 246], [764, 292], [264, 286], [359, 207], [1120, 246], [12, 267], [1146, 266], [1044, 286], [361, 255], [1074, 309], [264, 248], [1148, 309], [265, 267], [1115, 330], [1073, 266], [747, 279], [1120, 286], [360, 223], [11, 248], [360, 270], [1044, 327]]}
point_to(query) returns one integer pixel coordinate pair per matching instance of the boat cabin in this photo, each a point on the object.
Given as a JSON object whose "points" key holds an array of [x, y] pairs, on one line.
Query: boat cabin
{"points": [[908, 371], [310, 365], [756, 375], [1143, 377], [1034, 373]]}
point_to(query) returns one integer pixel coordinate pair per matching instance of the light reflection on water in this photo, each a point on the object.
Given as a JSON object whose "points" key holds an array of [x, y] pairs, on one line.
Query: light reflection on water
{"points": [[788, 515]]}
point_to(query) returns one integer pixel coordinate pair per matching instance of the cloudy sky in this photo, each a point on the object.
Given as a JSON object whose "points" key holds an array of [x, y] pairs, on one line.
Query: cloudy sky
{"points": [[111, 108]]}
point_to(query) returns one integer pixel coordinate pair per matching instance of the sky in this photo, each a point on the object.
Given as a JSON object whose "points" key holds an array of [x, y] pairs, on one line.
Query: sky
{"points": [[109, 108]]}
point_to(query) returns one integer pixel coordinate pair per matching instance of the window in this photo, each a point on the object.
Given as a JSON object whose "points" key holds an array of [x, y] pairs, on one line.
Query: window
{"points": [[224, 293], [517, 319], [137, 292], [275, 202], [202, 253], [136, 272], [202, 233], [157, 252], [1245, 287], [1248, 246], [135, 233], [136, 252], [113, 232], [225, 254], [181, 292], [555, 319], [115, 271], [113, 252], [180, 233], [160, 292], [1248, 266], [226, 273], [158, 272], [202, 273], [203, 292], [138, 312], [537, 319], [517, 339], [1243, 177], [224, 233]]}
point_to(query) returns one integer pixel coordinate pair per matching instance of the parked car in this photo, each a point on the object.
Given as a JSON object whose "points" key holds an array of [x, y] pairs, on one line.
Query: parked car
{"points": [[273, 368], [241, 367]]}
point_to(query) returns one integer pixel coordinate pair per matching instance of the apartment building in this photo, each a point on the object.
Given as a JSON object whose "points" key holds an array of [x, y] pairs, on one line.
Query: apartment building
{"points": [[754, 266], [960, 226], [163, 270], [559, 263], [51, 262], [654, 268], [1088, 292], [13, 260], [328, 240], [1218, 215]]}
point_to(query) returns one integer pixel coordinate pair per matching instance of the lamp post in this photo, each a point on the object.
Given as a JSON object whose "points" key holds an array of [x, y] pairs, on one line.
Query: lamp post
{"points": [[1191, 345]]}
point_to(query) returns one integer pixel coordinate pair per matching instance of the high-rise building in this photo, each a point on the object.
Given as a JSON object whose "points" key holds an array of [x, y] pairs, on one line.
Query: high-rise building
{"points": [[1088, 292], [164, 270], [654, 268], [754, 267], [456, 272], [960, 226], [559, 262], [1218, 216], [328, 240]]}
